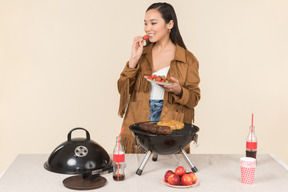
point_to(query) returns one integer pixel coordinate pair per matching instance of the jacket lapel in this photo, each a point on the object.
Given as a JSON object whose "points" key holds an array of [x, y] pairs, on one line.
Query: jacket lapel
{"points": [[148, 54]]}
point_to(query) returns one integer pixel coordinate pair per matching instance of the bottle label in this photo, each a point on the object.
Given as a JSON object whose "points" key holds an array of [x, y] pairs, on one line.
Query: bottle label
{"points": [[118, 158], [251, 145]]}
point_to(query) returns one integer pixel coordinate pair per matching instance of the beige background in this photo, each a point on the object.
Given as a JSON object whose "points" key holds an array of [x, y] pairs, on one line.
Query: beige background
{"points": [[60, 61]]}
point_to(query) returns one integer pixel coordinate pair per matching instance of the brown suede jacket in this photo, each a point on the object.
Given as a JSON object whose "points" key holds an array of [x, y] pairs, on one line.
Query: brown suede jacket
{"points": [[134, 92]]}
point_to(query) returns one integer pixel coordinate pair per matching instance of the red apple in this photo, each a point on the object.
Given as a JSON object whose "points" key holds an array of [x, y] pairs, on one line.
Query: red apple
{"points": [[167, 174], [180, 171], [174, 179], [194, 178], [186, 179]]}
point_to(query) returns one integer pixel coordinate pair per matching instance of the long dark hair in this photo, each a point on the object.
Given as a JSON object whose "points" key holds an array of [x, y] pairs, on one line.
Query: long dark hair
{"points": [[168, 14]]}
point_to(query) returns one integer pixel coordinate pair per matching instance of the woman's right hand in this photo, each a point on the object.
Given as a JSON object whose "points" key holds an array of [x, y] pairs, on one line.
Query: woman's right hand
{"points": [[137, 49]]}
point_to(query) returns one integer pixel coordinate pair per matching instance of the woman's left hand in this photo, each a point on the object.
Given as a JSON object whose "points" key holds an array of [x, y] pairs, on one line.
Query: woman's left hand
{"points": [[174, 87]]}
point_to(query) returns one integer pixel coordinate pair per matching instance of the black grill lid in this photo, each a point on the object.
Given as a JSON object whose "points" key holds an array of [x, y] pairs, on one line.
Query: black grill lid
{"points": [[78, 156]]}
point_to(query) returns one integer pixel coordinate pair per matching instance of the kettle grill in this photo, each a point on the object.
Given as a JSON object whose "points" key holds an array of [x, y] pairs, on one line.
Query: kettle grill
{"points": [[165, 144]]}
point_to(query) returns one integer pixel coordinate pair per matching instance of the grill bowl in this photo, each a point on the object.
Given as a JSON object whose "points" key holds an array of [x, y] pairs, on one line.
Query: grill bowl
{"points": [[165, 144]]}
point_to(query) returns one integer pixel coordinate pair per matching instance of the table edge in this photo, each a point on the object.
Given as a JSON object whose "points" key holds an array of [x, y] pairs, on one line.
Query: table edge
{"points": [[284, 165]]}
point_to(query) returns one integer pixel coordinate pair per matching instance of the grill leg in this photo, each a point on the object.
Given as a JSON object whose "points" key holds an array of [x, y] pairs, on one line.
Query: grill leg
{"points": [[155, 157], [140, 169], [193, 168]]}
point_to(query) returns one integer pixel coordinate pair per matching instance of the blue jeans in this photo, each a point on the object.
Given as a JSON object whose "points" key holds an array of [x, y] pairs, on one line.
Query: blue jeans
{"points": [[155, 109]]}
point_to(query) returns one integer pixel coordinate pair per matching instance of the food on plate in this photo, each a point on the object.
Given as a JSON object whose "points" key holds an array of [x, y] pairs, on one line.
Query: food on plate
{"points": [[186, 179], [167, 174], [180, 177], [174, 179], [145, 37], [180, 171], [159, 78], [194, 178], [175, 125], [154, 128]]}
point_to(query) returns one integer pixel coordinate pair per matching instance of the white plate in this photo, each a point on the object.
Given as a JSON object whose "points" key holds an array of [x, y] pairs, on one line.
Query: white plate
{"points": [[156, 82], [180, 186]]}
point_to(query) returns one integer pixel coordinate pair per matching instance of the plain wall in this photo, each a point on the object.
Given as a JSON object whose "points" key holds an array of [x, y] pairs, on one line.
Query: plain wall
{"points": [[60, 62]]}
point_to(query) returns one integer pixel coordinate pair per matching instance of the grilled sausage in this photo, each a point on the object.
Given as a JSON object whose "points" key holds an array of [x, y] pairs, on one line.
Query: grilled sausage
{"points": [[164, 130], [154, 128]]}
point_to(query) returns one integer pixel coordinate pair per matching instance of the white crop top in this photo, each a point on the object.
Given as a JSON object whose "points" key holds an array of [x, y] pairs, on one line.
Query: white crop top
{"points": [[157, 92]]}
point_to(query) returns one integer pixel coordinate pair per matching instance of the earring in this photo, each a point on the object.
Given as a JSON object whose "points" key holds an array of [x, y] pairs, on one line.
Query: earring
{"points": [[169, 30]]}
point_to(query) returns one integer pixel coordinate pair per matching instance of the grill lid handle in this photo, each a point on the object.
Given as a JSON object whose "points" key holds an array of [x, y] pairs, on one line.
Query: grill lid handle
{"points": [[78, 128]]}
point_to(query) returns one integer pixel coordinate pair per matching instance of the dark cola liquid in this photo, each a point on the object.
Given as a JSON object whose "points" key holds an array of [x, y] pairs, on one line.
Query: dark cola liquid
{"points": [[120, 178], [251, 154]]}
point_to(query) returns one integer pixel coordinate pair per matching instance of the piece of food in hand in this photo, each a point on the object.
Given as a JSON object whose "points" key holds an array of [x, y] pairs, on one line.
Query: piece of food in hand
{"points": [[145, 37], [186, 179], [175, 125], [167, 174], [174, 179], [180, 171], [156, 129], [194, 178]]}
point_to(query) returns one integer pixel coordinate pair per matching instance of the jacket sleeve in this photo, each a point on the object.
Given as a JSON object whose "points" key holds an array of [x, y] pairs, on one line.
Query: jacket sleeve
{"points": [[125, 86], [190, 91]]}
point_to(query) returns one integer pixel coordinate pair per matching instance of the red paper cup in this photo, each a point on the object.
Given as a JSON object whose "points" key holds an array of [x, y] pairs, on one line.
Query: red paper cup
{"points": [[247, 166]]}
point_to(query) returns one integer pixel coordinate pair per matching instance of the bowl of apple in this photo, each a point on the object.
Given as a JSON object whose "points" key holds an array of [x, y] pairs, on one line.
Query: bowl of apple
{"points": [[180, 178]]}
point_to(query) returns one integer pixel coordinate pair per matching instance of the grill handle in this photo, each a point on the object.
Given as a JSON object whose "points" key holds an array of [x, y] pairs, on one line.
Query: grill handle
{"points": [[195, 140], [78, 128]]}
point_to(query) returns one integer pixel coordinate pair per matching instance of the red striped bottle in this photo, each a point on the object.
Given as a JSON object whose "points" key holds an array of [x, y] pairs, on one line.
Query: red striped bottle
{"points": [[251, 143], [118, 161]]}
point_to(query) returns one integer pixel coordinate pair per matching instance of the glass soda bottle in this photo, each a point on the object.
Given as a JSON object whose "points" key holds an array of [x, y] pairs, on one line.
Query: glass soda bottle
{"points": [[118, 161], [251, 143]]}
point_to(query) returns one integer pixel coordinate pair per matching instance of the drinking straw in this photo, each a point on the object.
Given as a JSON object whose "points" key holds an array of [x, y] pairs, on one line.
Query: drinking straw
{"points": [[252, 119], [252, 128], [118, 151]]}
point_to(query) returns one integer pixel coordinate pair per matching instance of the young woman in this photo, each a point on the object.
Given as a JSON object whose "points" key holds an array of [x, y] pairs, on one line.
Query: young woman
{"points": [[164, 54]]}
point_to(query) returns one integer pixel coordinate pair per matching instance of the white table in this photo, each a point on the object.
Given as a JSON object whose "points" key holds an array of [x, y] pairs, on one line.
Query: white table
{"points": [[216, 173]]}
